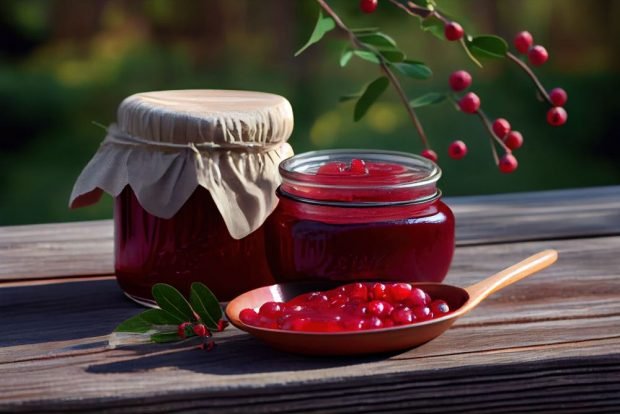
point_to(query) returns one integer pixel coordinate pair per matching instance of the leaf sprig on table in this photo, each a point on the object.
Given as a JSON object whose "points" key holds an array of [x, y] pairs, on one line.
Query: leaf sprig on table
{"points": [[178, 319], [372, 45]]}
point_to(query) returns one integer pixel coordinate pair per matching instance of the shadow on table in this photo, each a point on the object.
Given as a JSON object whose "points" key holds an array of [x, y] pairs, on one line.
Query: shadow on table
{"points": [[236, 354]]}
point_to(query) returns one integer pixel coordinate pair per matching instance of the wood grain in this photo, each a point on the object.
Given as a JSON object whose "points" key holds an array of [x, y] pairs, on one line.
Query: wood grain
{"points": [[86, 248], [546, 344]]}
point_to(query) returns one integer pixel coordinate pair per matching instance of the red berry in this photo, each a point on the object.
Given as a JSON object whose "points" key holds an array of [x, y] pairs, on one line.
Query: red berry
{"points": [[221, 325], [368, 6], [460, 80], [402, 316], [538, 55], [457, 150], [501, 127], [270, 310], [353, 323], [430, 154], [439, 307], [358, 167], [514, 140], [378, 291], [558, 96], [248, 316], [182, 329], [523, 41], [508, 163], [200, 330], [422, 313], [356, 291], [417, 297], [470, 103], [557, 116], [399, 291], [453, 31], [373, 322], [380, 308]]}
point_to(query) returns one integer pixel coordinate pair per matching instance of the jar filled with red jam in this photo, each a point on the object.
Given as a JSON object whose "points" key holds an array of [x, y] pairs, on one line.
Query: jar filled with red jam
{"points": [[360, 215], [194, 175]]}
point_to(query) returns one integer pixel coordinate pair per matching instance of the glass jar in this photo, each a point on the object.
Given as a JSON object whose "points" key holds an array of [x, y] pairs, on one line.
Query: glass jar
{"points": [[194, 175], [359, 214]]}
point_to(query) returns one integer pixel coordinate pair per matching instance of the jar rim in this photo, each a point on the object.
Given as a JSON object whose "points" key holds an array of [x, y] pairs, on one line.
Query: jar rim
{"points": [[414, 180]]}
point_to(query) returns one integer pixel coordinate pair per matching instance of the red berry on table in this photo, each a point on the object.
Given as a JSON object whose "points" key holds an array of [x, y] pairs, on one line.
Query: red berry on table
{"points": [[557, 116], [459, 80], [399, 291], [200, 330], [501, 127], [538, 55], [514, 140], [508, 163], [453, 31], [470, 103], [430, 154], [457, 150], [182, 329], [368, 6], [558, 96], [523, 41]]}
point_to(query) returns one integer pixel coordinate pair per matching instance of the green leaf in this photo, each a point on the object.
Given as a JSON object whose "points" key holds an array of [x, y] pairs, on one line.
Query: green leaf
{"points": [[487, 46], [388, 55], [172, 301], [380, 41], [431, 98], [366, 55], [163, 337], [206, 305], [345, 57], [371, 93], [393, 55], [434, 25], [323, 25], [365, 30], [148, 320], [350, 97], [413, 69]]}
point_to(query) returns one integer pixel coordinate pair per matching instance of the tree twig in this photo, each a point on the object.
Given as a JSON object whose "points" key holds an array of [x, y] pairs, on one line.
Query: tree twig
{"points": [[532, 76]]}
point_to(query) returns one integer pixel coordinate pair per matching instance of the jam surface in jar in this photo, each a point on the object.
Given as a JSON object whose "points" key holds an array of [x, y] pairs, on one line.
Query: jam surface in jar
{"points": [[355, 215], [192, 246]]}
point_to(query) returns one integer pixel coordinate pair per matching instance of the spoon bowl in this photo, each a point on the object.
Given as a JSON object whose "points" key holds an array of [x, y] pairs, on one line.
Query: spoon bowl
{"points": [[383, 339]]}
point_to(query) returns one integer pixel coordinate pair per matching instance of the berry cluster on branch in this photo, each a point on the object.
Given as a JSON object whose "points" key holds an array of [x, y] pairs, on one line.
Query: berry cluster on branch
{"points": [[377, 47]]}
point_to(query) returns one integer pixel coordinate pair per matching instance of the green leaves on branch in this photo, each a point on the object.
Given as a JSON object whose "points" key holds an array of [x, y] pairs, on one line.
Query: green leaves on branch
{"points": [[431, 98], [413, 69], [323, 25], [162, 324], [487, 46], [367, 97], [434, 25]]}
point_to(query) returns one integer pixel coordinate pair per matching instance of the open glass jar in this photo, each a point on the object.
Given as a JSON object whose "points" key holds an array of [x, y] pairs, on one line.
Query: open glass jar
{"points": [[359, 214]]}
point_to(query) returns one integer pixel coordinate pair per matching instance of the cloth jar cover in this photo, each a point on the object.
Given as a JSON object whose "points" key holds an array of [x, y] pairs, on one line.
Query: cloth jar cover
{"points": [[167, 143]]}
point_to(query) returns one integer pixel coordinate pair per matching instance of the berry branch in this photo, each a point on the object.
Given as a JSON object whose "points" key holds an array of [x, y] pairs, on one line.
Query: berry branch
{"points": [[355, 41]]}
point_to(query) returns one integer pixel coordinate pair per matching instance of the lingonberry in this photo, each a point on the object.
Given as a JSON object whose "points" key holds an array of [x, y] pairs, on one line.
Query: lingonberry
{"points": [[501, 127], [459, 80], [200, 330], [221, 325], [357, 291], [538, 55], [353, 323], [558, 96], [457, 150], [417, 297], [439, 307], [430, 154], [470, 103], [248, 316], [557, 116], [427, 298], [378, 291], [422, 313], [270, 309], [514, 140], [374, 322], [402, 316], [358, 167], [368, 6], [182, 329], [399, 291], [453, 31], [523, 41], [508, 163]]}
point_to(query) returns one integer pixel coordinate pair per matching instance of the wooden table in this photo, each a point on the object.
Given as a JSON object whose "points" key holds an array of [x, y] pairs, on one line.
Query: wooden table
{"points": [[549, 343]]}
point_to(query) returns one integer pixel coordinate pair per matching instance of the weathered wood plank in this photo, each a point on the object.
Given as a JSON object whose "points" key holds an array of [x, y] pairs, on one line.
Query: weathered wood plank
{"points": [[85, 248], [549, 341]]}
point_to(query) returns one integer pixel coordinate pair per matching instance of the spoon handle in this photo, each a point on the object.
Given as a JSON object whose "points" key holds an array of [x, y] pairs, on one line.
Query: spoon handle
{"points": [[514, 273]]}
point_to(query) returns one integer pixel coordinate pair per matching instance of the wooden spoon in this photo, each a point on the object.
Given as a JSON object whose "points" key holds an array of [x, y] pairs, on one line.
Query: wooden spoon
{"points": [[378, 340]]}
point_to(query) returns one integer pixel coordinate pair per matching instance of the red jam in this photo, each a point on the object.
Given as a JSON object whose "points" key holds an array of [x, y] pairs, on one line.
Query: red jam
{"points": [[353, 307], [350, 215], [192, 246]]}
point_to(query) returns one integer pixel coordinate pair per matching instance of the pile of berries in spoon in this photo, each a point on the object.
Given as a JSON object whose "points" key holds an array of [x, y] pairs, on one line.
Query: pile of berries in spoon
{"points": [[352, 307]]}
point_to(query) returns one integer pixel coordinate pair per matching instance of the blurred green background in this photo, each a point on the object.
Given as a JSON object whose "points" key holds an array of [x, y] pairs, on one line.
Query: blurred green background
{"points": [[65, 63]]}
